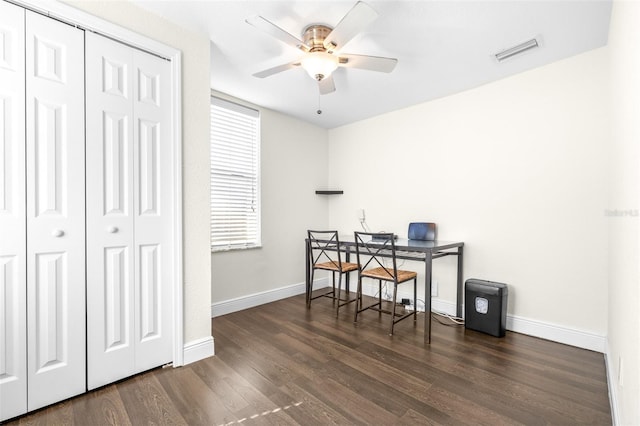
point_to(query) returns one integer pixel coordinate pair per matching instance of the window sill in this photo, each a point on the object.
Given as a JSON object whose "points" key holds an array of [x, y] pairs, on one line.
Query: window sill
{"points": [[234, 248]]}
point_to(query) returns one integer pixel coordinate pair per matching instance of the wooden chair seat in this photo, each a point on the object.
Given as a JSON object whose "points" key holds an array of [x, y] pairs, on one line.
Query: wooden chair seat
{"points": [[387, 274], [333, 266]]}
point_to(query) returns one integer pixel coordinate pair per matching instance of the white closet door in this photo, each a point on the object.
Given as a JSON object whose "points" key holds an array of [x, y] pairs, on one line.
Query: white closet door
{"points": [[128, 211], [153, 211], [13, 250], [110, 251], [55, 210]]}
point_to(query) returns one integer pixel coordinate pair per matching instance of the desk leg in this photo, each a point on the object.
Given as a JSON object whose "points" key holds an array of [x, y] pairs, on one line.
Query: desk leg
{"points": [[459, 296], [427, 296]]}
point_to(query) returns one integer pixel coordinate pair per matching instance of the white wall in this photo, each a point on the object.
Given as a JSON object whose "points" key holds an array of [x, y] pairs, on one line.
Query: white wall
{"points": [[293, 165], [516, 169], [195, 149], [624, 231]]}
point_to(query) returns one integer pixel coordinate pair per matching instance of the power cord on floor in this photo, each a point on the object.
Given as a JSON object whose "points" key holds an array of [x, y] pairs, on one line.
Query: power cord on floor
{"points": [[449, 320], [454, 321]]}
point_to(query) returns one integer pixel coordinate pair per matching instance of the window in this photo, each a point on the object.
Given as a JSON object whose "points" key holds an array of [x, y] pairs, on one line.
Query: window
{"points": [[235, 188]]}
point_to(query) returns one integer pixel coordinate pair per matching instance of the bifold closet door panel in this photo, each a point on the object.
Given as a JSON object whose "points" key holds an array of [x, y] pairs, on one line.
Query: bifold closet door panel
{"points": [[153, 211], [55, 210], [13, 248], [110, 211], [128, 211]]}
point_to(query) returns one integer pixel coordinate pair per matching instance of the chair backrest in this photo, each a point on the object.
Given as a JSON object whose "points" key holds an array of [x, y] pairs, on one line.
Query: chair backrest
{"points": [[323, 243], [378, 249], [425, 231]]}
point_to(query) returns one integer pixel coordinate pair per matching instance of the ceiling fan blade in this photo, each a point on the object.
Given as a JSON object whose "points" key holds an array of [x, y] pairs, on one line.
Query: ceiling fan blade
{"points": [[351, 24], [277, 32], [371, 63], [326, 85], [275, 70]]}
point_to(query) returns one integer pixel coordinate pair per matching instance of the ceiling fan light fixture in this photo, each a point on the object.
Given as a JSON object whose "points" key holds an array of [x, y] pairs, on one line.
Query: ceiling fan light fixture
{"points": [[319, 65]]}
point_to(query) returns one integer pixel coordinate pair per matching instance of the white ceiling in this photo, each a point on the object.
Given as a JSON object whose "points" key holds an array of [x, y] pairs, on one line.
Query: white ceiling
{"points": [[442, 47]]}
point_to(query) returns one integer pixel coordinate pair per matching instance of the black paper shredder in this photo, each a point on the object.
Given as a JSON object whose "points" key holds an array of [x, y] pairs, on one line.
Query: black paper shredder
{"points": [[485, 306]]}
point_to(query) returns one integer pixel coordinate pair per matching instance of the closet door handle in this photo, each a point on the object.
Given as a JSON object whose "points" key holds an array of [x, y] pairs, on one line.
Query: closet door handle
{"points": [[57, 233], [112, 229]]}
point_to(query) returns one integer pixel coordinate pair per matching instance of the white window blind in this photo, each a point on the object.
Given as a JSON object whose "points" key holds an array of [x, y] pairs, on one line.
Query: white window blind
{"points": [[235, 186]]}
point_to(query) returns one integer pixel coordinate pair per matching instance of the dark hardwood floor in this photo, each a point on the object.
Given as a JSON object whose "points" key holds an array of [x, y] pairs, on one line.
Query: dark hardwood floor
{"points": [[280, 364]]}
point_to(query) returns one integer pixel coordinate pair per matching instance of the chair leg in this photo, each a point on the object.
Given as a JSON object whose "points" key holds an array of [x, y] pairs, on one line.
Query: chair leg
{"points": [[333, 283], [358, 298], [393, 309], [380, 297], [310, 290], [339, 288]]}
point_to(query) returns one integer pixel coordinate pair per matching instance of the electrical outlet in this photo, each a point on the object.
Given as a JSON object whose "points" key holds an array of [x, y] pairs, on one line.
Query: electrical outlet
{"points": [[434, 288]]}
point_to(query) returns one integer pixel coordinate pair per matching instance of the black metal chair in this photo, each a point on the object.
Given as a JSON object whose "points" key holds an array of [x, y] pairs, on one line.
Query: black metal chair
{"points": [[324, 253], [374, 251]]}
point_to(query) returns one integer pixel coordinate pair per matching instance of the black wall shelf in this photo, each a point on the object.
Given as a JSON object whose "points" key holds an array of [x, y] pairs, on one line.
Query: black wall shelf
{"points": [[330, 192]]}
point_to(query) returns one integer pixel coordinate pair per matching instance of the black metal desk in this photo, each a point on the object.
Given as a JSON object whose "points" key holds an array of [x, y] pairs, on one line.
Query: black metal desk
{"points": [[421, 251]]}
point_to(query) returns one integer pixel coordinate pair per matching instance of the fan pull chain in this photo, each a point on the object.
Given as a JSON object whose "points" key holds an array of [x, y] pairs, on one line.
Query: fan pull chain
{"points": [[319, 111]]}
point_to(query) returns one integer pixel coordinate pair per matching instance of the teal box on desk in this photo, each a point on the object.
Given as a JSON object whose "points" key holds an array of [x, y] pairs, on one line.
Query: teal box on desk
{"points": [[485, 306]]}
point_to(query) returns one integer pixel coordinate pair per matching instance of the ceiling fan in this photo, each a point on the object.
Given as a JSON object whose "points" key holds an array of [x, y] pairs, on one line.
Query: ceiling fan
{"points": [[321, 45]]}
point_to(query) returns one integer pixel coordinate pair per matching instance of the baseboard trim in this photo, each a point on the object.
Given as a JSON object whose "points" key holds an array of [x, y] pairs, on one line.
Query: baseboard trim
{"points": [[531, 327], [257, 299], [556, 333], [198, 349]]}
